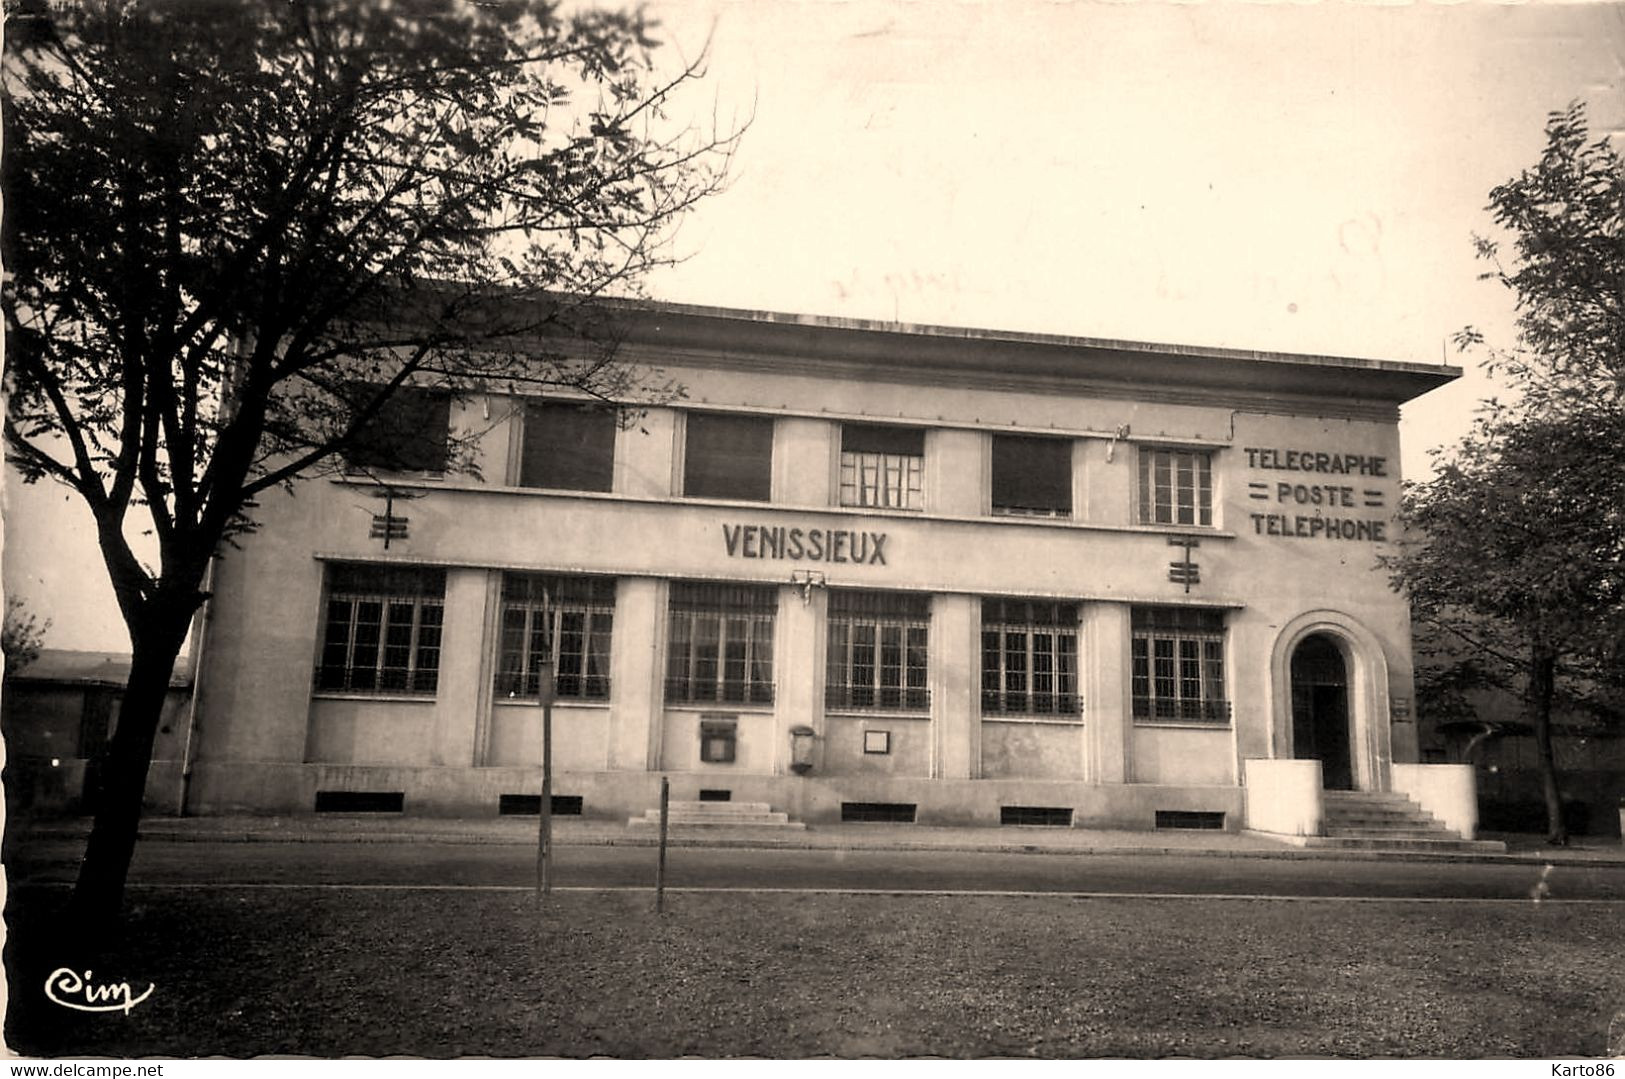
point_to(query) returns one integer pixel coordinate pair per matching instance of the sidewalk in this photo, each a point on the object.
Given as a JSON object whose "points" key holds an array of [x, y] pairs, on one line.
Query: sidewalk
{"points": [[574, 831]]}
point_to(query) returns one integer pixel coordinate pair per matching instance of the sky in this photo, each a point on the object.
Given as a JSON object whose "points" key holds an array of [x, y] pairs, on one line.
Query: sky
{"points": [[1287, 177]]}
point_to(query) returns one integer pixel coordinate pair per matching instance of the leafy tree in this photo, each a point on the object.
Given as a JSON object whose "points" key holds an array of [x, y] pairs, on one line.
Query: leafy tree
{"points": [[1517, 551], [1520, 534], [237, 228], [21, 637], [1566, 217]]}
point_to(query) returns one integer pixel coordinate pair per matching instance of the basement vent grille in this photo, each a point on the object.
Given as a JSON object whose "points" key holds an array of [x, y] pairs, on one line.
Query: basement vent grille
{"points": [[709, 794], [360, 801], [888, 812], [1181, 818], [530, 805], [1052, 816]]}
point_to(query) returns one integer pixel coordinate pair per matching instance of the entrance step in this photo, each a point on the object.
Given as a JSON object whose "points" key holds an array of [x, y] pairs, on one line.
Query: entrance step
{"points": [[717, 815], [1388, 821], [1449, 843]]}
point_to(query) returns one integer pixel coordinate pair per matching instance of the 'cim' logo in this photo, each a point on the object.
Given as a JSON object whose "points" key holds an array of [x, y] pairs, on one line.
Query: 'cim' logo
{"points": [[65, 987]]}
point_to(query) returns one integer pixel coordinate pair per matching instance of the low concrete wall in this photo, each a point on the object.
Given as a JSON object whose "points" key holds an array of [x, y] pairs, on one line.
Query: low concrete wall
{"points": [[1284, 797], [816, 799], [1448, 791]]}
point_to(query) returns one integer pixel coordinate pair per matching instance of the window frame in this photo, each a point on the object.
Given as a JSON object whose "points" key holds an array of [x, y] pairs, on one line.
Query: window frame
{"points": [[542, 603], [698, 663], [391, 587], [1065, 452], [905, 617], [879, 467], [714, 454], [1168, 634], [1149, 489], [1061, 625]]}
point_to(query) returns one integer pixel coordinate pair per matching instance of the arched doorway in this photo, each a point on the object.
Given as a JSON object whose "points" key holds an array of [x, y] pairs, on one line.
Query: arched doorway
{"points": [[1320, 710]]}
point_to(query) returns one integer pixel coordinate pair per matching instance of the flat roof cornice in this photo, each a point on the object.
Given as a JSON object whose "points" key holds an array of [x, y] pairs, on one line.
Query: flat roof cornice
{"points": [[907, 349]]}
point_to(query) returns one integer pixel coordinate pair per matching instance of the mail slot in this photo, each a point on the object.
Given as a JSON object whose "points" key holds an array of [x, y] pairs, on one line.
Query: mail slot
{"points": [[719, 737]]}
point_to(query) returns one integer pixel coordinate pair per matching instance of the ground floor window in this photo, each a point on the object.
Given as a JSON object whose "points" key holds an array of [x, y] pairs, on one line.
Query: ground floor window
{"points": [[381, 632], [1178, 664], [565, 620], [1029, 658], [877, 653], [720, 644]]}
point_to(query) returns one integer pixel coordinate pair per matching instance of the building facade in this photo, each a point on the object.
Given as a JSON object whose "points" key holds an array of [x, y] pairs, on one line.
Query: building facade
{"points": [[856, 571]]}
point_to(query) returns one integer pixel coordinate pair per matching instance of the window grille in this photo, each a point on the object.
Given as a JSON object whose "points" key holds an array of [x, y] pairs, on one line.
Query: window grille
{"points": [[882, 466], [567, 620], [1177, 656], [878, 652], [720, 644], [568, 446], [382, 629], [1176, 487], [728, 457], [1030, 658], [1032, 477]]}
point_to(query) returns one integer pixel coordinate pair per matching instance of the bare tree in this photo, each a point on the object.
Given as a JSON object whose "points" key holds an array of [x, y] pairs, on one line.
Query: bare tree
{"points": [[237, 228]]}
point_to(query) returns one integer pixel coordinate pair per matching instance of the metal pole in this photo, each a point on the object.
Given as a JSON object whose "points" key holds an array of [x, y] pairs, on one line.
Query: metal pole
{"points": [[544, 828], [660, 865]]}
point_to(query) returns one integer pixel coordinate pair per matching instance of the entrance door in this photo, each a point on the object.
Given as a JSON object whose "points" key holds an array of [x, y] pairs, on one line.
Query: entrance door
{"points": [[1320, 710]]}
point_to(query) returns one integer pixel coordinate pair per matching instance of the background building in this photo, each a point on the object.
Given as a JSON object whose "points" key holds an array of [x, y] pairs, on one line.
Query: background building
{"points": [[857, 570]]}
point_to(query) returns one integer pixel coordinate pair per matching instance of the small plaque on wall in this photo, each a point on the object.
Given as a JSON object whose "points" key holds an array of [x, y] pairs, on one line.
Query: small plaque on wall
{"points": [[1400, 708], [877, 741]]}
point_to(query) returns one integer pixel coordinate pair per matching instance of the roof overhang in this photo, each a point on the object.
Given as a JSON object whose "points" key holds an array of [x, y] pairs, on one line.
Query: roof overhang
{"points": [[918, 352]]}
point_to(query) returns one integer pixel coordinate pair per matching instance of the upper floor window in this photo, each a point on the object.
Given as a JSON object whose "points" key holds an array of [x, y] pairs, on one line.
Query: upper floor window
{"points": [[565, 620], [408, 433], [1177, 655], [568, 446], [1176, 487], [882, 466], [1032, 476], [1029, 658], [382, 629], [877, 651], [728, 456], [720, 643]]}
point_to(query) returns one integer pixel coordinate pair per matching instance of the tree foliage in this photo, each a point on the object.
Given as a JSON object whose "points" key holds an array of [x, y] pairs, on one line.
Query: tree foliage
{"points": [[235, 228], [21, 636], [1516, 544], [1564, 262]]}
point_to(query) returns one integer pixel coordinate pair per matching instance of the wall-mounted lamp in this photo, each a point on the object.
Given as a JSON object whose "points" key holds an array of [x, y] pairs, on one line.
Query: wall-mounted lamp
{"points": [[1111, 447], [805, 580]]}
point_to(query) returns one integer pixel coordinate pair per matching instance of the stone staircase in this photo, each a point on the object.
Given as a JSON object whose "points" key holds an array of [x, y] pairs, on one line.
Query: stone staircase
{"points": [[751, 815], [1386, 821]]}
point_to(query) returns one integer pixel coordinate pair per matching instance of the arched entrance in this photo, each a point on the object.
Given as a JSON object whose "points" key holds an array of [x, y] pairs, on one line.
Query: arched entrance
{"points": [[1320, 710]]}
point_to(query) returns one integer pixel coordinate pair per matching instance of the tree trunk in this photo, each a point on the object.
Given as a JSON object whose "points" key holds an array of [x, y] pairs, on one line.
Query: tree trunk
{"points": [[1542, 679], [121, 775]]}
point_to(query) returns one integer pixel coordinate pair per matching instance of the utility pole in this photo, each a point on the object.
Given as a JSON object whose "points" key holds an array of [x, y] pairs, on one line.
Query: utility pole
{"points": [[544, 829]]}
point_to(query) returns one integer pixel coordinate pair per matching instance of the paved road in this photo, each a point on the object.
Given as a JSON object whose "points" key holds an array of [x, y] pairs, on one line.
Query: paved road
{"points": [[446, 864]]}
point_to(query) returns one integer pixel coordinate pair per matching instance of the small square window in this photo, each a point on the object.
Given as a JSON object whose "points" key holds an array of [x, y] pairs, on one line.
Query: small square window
{"points": [[882, 466], [728, 457], [409, 432], [568, 447], [1032, 477], [1176, 487], [877, 741]]}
